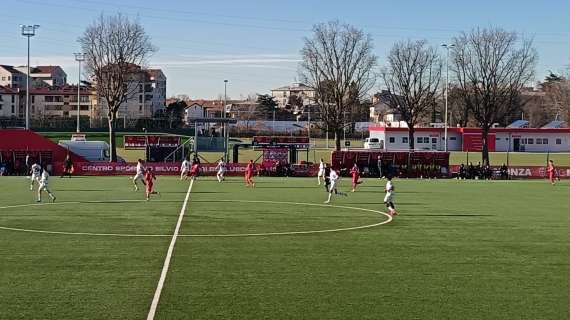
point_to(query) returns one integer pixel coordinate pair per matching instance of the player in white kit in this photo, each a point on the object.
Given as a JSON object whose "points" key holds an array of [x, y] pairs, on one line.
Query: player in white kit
{"points": [[389, 198], [184, 169], [221, 167], [35, 175], [139, 175], [44, 187], [334, 179], [321, 173]]}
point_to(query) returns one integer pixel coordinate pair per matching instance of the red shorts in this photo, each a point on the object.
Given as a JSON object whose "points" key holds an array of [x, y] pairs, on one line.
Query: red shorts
{"points": [[551, 176], [148, 187]]}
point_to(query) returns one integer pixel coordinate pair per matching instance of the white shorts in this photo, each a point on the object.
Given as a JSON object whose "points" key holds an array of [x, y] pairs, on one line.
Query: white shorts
{"points": [[389, 197], [184, 171], [138, 176], [221, 172], [43, 186], [321, 173], [35, 178], [332, 186]]}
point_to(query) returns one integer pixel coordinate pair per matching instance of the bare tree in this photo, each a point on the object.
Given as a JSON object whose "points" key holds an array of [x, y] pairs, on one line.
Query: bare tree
{"points": [[412, 78], [557, 94], [116, 49], [338, 63], [491, 67]]}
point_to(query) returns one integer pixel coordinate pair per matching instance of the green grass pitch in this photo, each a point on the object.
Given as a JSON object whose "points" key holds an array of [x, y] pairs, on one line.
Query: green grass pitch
{"points": [[459, 250]]}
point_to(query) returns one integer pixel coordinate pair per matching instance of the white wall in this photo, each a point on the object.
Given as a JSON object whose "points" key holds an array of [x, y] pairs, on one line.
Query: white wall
{"points": [[398, 140], [503, 140]]}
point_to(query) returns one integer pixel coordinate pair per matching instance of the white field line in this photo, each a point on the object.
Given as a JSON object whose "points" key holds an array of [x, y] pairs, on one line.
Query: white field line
{"points": [[261, 234], [166, 265]]}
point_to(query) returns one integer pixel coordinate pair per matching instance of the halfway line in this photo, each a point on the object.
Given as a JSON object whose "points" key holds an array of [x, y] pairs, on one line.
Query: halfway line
{"points": [[158, 291]]}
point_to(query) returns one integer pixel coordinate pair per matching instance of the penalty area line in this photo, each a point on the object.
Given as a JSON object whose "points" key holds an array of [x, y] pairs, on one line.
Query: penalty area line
{"points": [[166, 265]]}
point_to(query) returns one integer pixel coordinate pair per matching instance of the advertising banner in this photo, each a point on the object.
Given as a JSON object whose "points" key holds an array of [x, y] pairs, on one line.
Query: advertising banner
{"points": [[528, 172]]}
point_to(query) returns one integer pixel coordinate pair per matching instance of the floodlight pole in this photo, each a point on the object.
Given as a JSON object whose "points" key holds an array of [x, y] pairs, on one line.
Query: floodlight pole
{"points": [[225, 125], [79, 57], [447, 47], [28, 31]]}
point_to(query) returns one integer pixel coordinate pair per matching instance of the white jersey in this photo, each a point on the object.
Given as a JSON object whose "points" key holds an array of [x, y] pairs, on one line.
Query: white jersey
{"points": [[322, 166], [140, 169], [389, 197], [36, 170], [44, 178], [221, 166], [333, 176], [185, 165]]}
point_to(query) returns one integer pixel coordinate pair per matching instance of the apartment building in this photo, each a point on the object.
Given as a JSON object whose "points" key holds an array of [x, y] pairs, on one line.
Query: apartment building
{"points": [[61, 101], [10, 77], [9, 102], [147, 90], [300, 90], [45, 76]]}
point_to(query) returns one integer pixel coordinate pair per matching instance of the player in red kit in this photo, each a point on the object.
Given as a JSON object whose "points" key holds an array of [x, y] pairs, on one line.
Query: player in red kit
{"points": [[551, 172], [355, 172], [149, 178], [195, 170], [249, 174]]}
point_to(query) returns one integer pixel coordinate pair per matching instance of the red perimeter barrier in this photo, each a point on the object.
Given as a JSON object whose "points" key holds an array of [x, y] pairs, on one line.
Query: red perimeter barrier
{"points": [[166, 168], [528, 172]]}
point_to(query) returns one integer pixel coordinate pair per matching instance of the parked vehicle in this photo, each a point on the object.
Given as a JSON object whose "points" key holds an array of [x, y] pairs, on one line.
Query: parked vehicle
{"points": [[373, 143]]}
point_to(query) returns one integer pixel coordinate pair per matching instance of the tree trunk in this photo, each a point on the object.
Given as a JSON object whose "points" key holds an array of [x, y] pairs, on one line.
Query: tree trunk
{"points": [[485, 141], [411, 132], [337, 135], [112, 143]]}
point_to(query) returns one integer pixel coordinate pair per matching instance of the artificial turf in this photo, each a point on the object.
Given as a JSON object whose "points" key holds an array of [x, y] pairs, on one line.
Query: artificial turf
{"points": [[459, 250]]}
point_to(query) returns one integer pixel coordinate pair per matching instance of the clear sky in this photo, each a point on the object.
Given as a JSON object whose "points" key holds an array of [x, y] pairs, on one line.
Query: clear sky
{"points": [[255, 44]]}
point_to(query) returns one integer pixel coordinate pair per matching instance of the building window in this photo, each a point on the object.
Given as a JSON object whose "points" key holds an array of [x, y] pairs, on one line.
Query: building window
{"points": [[13, 99], [426, 139], [0, 107], [523, 141], [497, 139], [404, 139], [419, 140], [140, 98], [530, 141], [452, 138], [538, 141], [544, 141], [558, 141], [392, 140], [13, 109], [433, 140], [140, 108], [3, 78], [33, 99]]}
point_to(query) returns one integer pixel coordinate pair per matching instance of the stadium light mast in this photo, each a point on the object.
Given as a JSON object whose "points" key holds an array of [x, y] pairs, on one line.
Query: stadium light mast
{"points": [[225, 125], [446, 94], [79, 57], [28, 31]]}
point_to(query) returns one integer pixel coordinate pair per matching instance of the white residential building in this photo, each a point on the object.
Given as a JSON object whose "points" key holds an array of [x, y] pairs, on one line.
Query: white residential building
{"points": [[9, 102], [45, 76], [10, 77], [282, 94]]}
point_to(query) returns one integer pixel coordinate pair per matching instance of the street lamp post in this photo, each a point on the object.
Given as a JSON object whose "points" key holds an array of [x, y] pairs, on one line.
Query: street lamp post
{"points": [[79, 57], [28, 31], [447, 47]]}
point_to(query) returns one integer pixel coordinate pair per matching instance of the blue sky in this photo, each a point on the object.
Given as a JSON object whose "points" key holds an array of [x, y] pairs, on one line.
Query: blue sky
{"points": [[255, 44]]}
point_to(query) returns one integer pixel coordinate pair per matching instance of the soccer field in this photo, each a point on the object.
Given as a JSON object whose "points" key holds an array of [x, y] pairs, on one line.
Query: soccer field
{"points": [[459, 250]]}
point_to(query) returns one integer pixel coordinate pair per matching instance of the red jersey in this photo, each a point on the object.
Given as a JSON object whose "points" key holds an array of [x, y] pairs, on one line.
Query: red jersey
{"points": [[149, 177], [355, 172], [249, 168], [195, 168], [550, 169]]}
